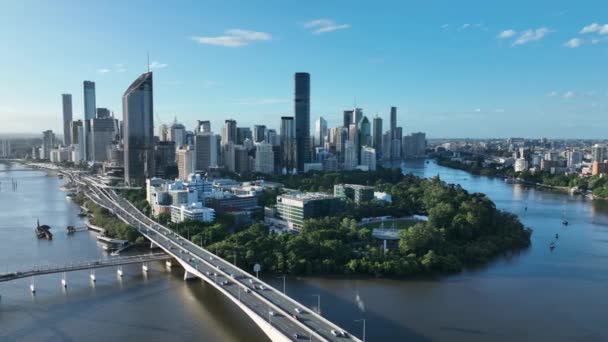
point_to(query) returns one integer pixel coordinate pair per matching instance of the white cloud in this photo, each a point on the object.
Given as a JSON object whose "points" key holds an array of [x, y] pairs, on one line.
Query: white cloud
{"points": [[573, 43], [444, 26], [157, 65], [465, 26], [552, 94], [506, 34], [234, 38], [531, 35], [319, 26], [569, 94], [477, 110], [103, 71], [595, 28]]}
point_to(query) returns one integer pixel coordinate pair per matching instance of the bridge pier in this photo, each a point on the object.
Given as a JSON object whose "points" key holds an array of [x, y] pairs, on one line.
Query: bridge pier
{"points": [[188, 275], [168, 264]]}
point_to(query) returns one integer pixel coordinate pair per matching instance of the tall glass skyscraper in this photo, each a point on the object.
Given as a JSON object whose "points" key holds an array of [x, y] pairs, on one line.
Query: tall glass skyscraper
{"points": [[377, 134], [89, 100], [288, 143], [67, 118], [302, 113], [138, 122]]}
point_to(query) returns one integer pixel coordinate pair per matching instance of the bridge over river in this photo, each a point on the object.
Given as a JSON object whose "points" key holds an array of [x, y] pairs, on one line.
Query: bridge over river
{"points": [[280, 317]]}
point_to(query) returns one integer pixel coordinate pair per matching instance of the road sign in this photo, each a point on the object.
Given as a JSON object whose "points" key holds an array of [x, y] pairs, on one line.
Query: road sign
{"points": [[256, 269]]}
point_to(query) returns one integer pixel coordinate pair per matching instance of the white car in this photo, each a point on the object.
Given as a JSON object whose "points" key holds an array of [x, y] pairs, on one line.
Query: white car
{"points": [[247, 290], [250, 281], [262, 287], [298, 310], [335, 333], [271, 313]]}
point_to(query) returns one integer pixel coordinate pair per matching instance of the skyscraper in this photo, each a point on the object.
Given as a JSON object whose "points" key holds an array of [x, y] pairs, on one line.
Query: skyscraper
{"points": [[229, 132], [89, 100], [288, 143], [365, 132], [259, 133], [67, 118], [377, 134], [243, 133], [347, 118], [203, 126], [138, 122], [320, 131], [185, 161], [357, 115], [393, 122], [302, 116], [205, 151], [48, 143], [264, 158]]}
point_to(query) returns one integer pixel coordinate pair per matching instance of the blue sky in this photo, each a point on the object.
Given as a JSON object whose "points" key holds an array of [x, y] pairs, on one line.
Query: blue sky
{"points": [[454, 68]]}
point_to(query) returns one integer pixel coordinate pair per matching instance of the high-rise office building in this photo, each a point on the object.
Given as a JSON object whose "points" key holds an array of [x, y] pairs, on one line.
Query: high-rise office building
{"points": [[48, 143], [138, 123], [302, 117], [264, 158], [377, 134], [354, 139], [164, 158], [365, 132], [89, 100], [102, 134], [203, 126], [347, 118], [271, 137], [320, 131], [288, 143], [205, 151], [357, 115], [177, 133], [259, 133], [66, 100], [574, 158], [393, 122], [242, 161], [229, 132], [243, 133], [163, 132], [350, 156], [185, 162], [368, 158], [598, 153]]}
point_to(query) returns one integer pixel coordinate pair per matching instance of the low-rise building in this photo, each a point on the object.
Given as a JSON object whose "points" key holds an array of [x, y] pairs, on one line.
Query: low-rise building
{"points": [[355, 192], [294, 208], [192, 211]]}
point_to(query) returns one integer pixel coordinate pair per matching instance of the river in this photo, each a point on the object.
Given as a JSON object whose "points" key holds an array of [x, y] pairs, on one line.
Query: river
{"points": [[535, 295]]}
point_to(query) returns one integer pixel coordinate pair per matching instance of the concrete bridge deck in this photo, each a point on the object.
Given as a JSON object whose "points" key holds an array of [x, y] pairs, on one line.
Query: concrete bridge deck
{"points": [[274, 312]]}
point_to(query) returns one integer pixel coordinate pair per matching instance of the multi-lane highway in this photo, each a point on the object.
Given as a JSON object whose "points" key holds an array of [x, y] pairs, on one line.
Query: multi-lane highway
{"points": [[293, 320]]}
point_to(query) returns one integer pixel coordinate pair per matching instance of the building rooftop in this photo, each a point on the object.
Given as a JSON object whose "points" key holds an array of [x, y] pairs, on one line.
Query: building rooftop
{"points": [[306, 196]]}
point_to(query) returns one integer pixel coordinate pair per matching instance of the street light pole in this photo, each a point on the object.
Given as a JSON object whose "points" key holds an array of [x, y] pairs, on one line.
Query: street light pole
{"points": [[362, 320], [318, 302], [283, 282]]}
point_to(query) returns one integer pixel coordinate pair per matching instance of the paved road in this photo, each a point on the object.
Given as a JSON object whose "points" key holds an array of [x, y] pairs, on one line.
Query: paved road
{"points": [[263, 299]]}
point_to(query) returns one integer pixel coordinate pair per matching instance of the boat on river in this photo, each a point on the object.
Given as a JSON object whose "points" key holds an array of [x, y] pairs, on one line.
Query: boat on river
{"points": [[43, 231]]}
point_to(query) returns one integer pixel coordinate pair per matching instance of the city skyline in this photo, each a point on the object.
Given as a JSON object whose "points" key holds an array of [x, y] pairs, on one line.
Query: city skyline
{"points": [[217, 65]]}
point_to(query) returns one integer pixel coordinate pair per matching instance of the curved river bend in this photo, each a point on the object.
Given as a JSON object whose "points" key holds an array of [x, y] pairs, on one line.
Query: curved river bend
{"points": [[537, 295]]}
